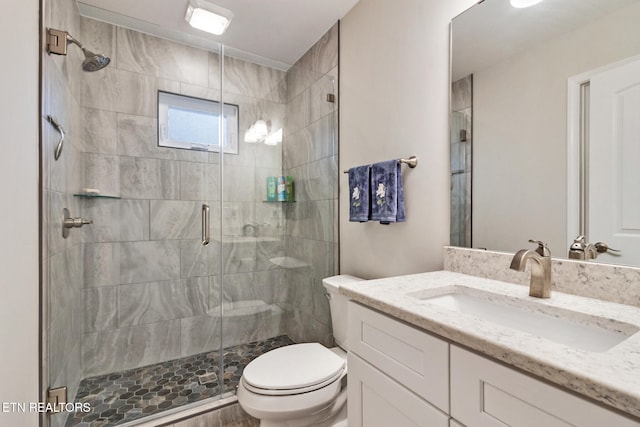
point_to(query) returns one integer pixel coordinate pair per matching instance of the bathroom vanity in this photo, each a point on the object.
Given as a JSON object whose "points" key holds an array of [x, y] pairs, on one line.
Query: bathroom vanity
{"points": [[448, 349]]}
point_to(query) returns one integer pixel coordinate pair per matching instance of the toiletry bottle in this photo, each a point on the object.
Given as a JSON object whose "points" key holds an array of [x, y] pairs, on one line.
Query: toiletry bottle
{"points": [[271, 189], [282, 189], [290, 196]]}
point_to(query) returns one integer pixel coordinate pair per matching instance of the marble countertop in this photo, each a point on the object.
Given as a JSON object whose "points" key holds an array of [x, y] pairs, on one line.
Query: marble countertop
{"points": [[611, 377]]}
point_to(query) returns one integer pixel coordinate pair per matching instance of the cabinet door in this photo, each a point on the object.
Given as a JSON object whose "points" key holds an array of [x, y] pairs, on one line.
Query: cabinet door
{"points": [[487, 394], [410, 356], [375, 400]]}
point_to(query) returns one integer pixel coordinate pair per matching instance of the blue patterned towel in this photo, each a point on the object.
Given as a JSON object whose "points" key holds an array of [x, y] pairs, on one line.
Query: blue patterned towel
{"points": [[387, 195], [359, 200]]}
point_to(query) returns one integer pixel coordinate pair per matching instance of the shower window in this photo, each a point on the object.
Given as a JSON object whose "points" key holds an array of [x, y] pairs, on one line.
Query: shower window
{"points": [[193, 123]]}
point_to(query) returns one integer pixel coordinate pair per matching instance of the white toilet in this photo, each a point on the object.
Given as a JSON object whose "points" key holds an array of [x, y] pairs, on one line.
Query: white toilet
{"points": [[302, 385]]}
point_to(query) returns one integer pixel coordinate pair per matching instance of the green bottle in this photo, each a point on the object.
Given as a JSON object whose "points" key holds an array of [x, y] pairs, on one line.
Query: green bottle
{"points": [[290, 196]]}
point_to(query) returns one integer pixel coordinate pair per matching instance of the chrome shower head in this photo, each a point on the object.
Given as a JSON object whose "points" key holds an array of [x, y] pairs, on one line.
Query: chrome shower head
{"points": [[57, 42], [94, 61]]}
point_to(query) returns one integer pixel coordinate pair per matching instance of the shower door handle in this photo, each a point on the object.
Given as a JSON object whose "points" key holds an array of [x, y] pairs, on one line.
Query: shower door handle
{"points": [[60, 143], [205, 224]]}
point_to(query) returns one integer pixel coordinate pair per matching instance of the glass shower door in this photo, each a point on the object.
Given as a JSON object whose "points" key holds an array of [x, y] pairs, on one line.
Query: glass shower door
{"points": [[253, 291], [127, 299]]}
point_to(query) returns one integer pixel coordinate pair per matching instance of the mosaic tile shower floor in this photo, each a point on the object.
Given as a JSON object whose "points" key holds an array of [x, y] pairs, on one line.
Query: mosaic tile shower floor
{"points": [[121, 397]]}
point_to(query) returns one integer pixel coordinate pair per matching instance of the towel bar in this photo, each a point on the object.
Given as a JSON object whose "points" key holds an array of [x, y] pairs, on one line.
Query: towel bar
{"points": [[412, 162]]}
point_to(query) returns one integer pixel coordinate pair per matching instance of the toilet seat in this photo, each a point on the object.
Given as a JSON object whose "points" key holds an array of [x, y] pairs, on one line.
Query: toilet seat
{"points": [[294, 369]]}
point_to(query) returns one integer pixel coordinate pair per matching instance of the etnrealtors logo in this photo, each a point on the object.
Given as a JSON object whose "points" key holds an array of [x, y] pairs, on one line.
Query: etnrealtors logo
{"points": [[24, 407]]}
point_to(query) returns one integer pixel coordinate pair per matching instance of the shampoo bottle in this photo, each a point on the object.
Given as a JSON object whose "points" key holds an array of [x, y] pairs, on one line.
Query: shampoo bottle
{"points": [[282, 189], [290, 197], [271, 189]]}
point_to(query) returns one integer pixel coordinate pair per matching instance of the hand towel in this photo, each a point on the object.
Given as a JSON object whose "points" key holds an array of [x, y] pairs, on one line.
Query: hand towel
{"points": [[387, 195], [359, 200]]}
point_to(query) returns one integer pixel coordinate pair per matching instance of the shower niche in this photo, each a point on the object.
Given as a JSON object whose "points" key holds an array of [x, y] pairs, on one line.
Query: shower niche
{"points": [[140, 319]]}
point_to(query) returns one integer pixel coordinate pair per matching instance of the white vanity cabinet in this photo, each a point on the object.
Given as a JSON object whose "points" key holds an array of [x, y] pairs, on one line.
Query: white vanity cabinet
{"points": [[400, 375], [375, 400], [485, 393]]}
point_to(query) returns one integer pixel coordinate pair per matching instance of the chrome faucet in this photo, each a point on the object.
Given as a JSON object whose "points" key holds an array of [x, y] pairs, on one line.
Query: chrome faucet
{"points": [[540, 286], [580, 249]]}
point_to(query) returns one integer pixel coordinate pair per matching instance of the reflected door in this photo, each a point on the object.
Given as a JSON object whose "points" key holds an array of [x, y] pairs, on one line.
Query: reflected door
{"points": [[614, 165]]}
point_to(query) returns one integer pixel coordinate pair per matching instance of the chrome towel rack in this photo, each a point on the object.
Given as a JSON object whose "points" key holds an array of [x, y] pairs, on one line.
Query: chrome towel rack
{"points": [[412, 162]]}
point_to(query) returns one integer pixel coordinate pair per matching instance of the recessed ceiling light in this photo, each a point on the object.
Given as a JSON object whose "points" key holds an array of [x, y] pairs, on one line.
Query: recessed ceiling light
{"points": [[208, 17], [524, 3]]}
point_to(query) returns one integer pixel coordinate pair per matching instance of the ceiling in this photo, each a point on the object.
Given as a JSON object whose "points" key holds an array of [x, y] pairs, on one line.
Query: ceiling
{"points": [[493, 29], [275, 33]]}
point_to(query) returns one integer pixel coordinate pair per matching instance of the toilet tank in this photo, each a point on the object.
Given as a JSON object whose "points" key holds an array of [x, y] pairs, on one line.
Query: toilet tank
{"points": [[338, 306]]}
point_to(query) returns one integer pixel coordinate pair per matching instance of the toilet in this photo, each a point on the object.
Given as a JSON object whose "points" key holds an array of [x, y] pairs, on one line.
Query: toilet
{"points": [[302, 385]]}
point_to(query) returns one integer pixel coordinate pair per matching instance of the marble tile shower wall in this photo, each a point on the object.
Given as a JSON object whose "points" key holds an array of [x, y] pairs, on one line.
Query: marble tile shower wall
{"points": [[311, 157], [62, 258], [461, 151], [149, 285]]}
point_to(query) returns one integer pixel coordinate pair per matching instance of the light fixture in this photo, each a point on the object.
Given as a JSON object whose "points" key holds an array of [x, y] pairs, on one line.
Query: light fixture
{"points": [[520, 4], [250, 135], [260, 128], [259, 132], [208, 17], [275, 138]]}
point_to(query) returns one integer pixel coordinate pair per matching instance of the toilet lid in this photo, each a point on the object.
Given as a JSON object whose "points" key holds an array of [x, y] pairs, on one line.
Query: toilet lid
{"points": [[293, 367]]}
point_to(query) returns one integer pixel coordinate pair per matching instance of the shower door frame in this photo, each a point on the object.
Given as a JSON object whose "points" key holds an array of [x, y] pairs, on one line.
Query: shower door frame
{"points": [[46, 68]]}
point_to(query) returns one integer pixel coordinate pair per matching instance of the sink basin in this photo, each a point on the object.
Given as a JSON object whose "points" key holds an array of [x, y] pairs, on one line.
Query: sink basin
{"points": [[571, 328]]}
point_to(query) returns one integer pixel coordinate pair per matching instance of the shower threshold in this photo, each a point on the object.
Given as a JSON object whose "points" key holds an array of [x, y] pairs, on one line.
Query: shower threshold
{"points": [[121, 397]]}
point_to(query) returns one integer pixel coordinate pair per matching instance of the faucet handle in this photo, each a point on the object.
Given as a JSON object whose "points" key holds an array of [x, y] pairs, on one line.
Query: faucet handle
{"points": [[602, 247], [579, 244], [580, 239], [543, 249]]}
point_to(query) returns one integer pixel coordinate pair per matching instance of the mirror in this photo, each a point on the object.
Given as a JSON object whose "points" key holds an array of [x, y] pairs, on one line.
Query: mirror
{"points": [[521, 82]]}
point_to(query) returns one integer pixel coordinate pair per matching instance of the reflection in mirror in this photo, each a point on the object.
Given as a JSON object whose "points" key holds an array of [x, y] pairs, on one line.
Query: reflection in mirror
{"points": [[461, 162], [528, 68]]}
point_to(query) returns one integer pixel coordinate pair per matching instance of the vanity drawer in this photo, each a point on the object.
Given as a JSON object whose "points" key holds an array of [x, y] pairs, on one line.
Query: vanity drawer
{"points": [[409, 355], [375, 400], [487, 394]]}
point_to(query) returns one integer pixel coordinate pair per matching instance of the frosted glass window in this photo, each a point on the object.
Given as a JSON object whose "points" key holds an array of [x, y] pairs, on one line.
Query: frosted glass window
{"points": [[194, 123]]}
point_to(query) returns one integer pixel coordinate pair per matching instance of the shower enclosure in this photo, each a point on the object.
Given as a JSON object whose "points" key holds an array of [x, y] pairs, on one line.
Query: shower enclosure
{"points": [[140, 315], [461, 155]]}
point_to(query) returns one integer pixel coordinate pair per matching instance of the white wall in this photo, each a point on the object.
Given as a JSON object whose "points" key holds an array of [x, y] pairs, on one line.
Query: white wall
{"points": [[394, 77], [19, 216]]}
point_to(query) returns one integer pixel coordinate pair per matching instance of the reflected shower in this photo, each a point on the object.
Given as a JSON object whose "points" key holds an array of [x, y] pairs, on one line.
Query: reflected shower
{"points": [[57, 42]]}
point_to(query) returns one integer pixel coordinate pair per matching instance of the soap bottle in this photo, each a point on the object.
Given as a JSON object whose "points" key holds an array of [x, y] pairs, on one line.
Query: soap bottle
{"points": [[271, 189], [282, 189], [290, 195]]}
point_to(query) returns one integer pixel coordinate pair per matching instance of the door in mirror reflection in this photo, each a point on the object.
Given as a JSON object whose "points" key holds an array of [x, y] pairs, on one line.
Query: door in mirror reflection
{"points": [[614, 157]]}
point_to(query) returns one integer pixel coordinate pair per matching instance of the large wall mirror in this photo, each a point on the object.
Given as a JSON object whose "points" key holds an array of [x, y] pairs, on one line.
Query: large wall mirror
{"points": [[545, 126]]}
